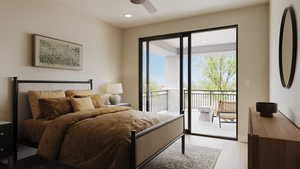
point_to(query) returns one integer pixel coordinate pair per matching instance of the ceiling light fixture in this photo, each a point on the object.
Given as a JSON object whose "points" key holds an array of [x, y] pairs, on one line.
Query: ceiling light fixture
{"points": [[127, 15]]}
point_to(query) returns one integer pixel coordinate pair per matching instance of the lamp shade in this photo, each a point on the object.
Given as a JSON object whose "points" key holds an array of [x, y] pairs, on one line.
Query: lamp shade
{"points": [[115, 88]]}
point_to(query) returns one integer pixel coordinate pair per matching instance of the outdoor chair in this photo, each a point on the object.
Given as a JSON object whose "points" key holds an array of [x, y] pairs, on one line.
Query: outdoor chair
{"points": [[226, 112]]}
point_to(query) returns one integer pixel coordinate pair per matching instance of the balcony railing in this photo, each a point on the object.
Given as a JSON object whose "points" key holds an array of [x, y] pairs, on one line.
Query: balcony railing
{"points": [[159, 99], [208, 98]]}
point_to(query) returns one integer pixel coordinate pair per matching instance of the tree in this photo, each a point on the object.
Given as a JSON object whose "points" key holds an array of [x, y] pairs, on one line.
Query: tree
{"points": [[219, 73]]}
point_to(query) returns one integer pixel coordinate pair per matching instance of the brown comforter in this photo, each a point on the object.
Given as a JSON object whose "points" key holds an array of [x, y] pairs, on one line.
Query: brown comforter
{"points": [[32, 130], [95, 139]]}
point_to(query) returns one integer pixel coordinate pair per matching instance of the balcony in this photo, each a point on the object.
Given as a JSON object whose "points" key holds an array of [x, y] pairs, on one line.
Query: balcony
{"points": [[204, 104]]}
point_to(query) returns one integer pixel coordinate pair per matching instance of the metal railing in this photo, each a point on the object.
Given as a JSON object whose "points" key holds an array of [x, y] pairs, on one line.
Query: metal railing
{"points": [[208, 98], [159, 99]]}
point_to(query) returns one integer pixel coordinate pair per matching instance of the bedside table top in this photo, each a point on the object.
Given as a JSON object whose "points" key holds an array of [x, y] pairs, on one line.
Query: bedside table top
{"points": [[124, 104], [4, 122], [120, 104]]}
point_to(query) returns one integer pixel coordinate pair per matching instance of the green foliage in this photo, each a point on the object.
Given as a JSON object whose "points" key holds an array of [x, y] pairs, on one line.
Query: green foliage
{"points": [[219, 73]]}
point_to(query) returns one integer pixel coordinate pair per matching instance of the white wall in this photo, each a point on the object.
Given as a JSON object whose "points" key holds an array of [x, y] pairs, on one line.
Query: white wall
{"points": [[253, 60], [287, 99], [19, 19], [172, 69]]}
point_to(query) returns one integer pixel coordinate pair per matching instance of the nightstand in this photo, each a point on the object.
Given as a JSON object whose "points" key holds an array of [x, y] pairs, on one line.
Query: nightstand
{"points": [[6, 140], [124, 104], [120, 104]]}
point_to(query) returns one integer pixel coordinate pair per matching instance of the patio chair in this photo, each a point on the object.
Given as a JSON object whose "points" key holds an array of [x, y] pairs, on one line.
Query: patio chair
{"points": [[226, 111]]}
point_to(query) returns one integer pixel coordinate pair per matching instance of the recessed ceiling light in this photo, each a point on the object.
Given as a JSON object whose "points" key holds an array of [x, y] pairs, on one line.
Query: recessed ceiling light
{"points": [[127, 15]]}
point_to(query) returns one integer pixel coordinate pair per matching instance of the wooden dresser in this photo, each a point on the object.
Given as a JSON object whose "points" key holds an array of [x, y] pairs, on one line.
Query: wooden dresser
{"points": [[273, 143]]}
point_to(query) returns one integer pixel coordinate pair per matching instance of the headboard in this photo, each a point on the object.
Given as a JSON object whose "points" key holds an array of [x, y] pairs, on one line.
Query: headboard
{"points": [[21, 109]]}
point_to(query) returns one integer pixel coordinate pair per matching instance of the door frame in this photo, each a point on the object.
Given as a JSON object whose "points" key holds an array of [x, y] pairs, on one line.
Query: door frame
{"points": [[182, 35], [147, 40]]}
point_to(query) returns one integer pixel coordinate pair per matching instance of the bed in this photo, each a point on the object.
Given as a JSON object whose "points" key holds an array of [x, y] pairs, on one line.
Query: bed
{"points": [[31, 131], [135, 137]]}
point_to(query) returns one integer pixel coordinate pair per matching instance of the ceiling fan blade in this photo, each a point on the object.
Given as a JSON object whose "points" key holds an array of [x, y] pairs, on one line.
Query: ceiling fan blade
{"points": [[149, 6]]}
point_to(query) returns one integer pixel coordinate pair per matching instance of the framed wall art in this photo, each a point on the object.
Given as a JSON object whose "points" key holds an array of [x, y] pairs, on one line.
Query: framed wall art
{"points": [[55, 53]]}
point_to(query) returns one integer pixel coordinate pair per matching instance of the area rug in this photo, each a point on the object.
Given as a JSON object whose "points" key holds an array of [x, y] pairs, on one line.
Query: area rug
{"points": [[195, 157]]}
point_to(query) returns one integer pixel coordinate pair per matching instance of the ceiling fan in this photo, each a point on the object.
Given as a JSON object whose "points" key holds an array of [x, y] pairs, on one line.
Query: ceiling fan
{"points": [[147, 4]]}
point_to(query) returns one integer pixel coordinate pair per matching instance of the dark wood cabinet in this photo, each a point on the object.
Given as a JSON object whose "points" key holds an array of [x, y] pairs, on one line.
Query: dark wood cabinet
{"points": [[6, 139], [273, 143]]}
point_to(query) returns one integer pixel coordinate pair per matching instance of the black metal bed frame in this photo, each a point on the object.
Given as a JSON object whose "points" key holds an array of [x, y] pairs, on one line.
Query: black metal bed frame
{"points": [[134, 135]]}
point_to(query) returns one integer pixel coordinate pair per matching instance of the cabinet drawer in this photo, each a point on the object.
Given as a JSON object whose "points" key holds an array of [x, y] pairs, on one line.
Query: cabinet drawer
{"points": [[6, 140], [6, 133], [5, 150]]}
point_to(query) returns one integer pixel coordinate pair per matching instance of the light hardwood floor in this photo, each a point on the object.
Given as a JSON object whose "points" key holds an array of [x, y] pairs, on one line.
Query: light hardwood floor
{"points": [[233, 155]]}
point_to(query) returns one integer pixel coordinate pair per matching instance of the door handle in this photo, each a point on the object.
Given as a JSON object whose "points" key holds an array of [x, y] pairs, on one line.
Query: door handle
{"points": [[182, 112]]}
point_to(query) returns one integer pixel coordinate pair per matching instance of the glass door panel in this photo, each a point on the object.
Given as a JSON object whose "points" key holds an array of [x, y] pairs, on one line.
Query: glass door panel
{"points": [[161, 75], [213, 83]]}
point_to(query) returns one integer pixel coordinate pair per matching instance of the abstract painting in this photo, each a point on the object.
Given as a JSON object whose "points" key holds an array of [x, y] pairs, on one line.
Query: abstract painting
{"points": [[54, 53]]}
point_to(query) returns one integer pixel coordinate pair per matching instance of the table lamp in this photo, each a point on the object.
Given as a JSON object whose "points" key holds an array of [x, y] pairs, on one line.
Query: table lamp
{"points": [[115, 90]]}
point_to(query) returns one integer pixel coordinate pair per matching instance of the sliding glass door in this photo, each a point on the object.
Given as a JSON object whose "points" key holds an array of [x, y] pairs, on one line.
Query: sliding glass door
{"points": [[195, 74], [161, 62], [214, 83]]}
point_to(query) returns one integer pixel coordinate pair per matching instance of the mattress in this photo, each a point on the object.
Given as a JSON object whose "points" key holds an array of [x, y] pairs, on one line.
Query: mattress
{"points": [[31, 130]]}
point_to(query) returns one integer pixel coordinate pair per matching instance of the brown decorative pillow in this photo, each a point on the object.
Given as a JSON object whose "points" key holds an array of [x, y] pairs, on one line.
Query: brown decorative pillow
{"points": [[54, 107], [34, 97], [72, 93], [97, 100], [80, 104]]}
